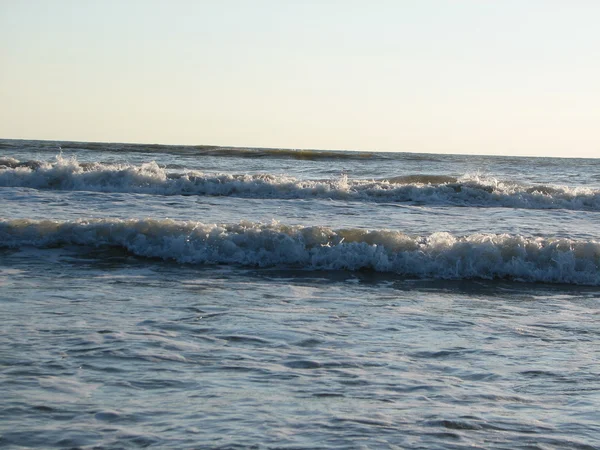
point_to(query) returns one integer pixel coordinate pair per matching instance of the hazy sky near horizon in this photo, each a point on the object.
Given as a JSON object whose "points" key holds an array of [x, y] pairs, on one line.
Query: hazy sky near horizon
{"points": [[511, 77]]}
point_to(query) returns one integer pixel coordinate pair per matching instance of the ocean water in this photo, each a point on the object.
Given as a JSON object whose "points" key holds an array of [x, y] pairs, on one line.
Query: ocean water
{"points": [[203, 297]]}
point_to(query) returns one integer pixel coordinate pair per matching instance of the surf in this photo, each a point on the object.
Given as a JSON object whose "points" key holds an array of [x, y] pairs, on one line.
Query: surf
{"points": [[150, 178], [437, 256]]}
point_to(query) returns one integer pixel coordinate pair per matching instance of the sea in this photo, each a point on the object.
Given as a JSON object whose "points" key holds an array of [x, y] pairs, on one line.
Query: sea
{"points": [[201, 297]]}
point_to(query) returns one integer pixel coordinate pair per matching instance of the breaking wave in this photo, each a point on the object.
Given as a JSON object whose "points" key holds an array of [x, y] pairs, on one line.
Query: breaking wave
{"points": [[439, 255], [149, 178]]}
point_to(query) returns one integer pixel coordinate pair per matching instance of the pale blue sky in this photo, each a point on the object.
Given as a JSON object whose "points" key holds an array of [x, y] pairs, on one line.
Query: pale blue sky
{"points": [[459, 76]]}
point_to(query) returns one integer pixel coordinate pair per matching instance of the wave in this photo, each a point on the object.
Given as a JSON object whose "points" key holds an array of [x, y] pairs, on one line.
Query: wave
{"points": [[204, 150], [440, 255], [149, 178]]}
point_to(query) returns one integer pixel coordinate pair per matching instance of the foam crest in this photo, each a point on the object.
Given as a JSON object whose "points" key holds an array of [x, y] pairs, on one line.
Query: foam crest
{"points": [[149, 178], [440, 255]]}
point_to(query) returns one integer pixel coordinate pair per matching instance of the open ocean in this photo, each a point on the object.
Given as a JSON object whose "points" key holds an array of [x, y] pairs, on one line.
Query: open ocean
{"points": [[205, 297]]}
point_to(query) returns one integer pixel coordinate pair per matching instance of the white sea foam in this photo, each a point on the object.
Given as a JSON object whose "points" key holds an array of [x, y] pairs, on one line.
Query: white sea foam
{"points": [[69, 174], [439, 255]]}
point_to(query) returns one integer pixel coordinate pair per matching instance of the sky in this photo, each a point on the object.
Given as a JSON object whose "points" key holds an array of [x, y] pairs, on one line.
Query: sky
{"points": [[506, 77]]}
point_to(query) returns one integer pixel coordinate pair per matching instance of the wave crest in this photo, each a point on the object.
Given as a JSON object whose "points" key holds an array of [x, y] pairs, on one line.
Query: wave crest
{"points": [[439, 255], [149, 178]]}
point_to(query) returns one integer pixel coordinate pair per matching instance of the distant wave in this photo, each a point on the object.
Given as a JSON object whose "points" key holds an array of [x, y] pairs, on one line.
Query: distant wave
{"points": [[440, 255], [206, 150], [149, 178]]}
